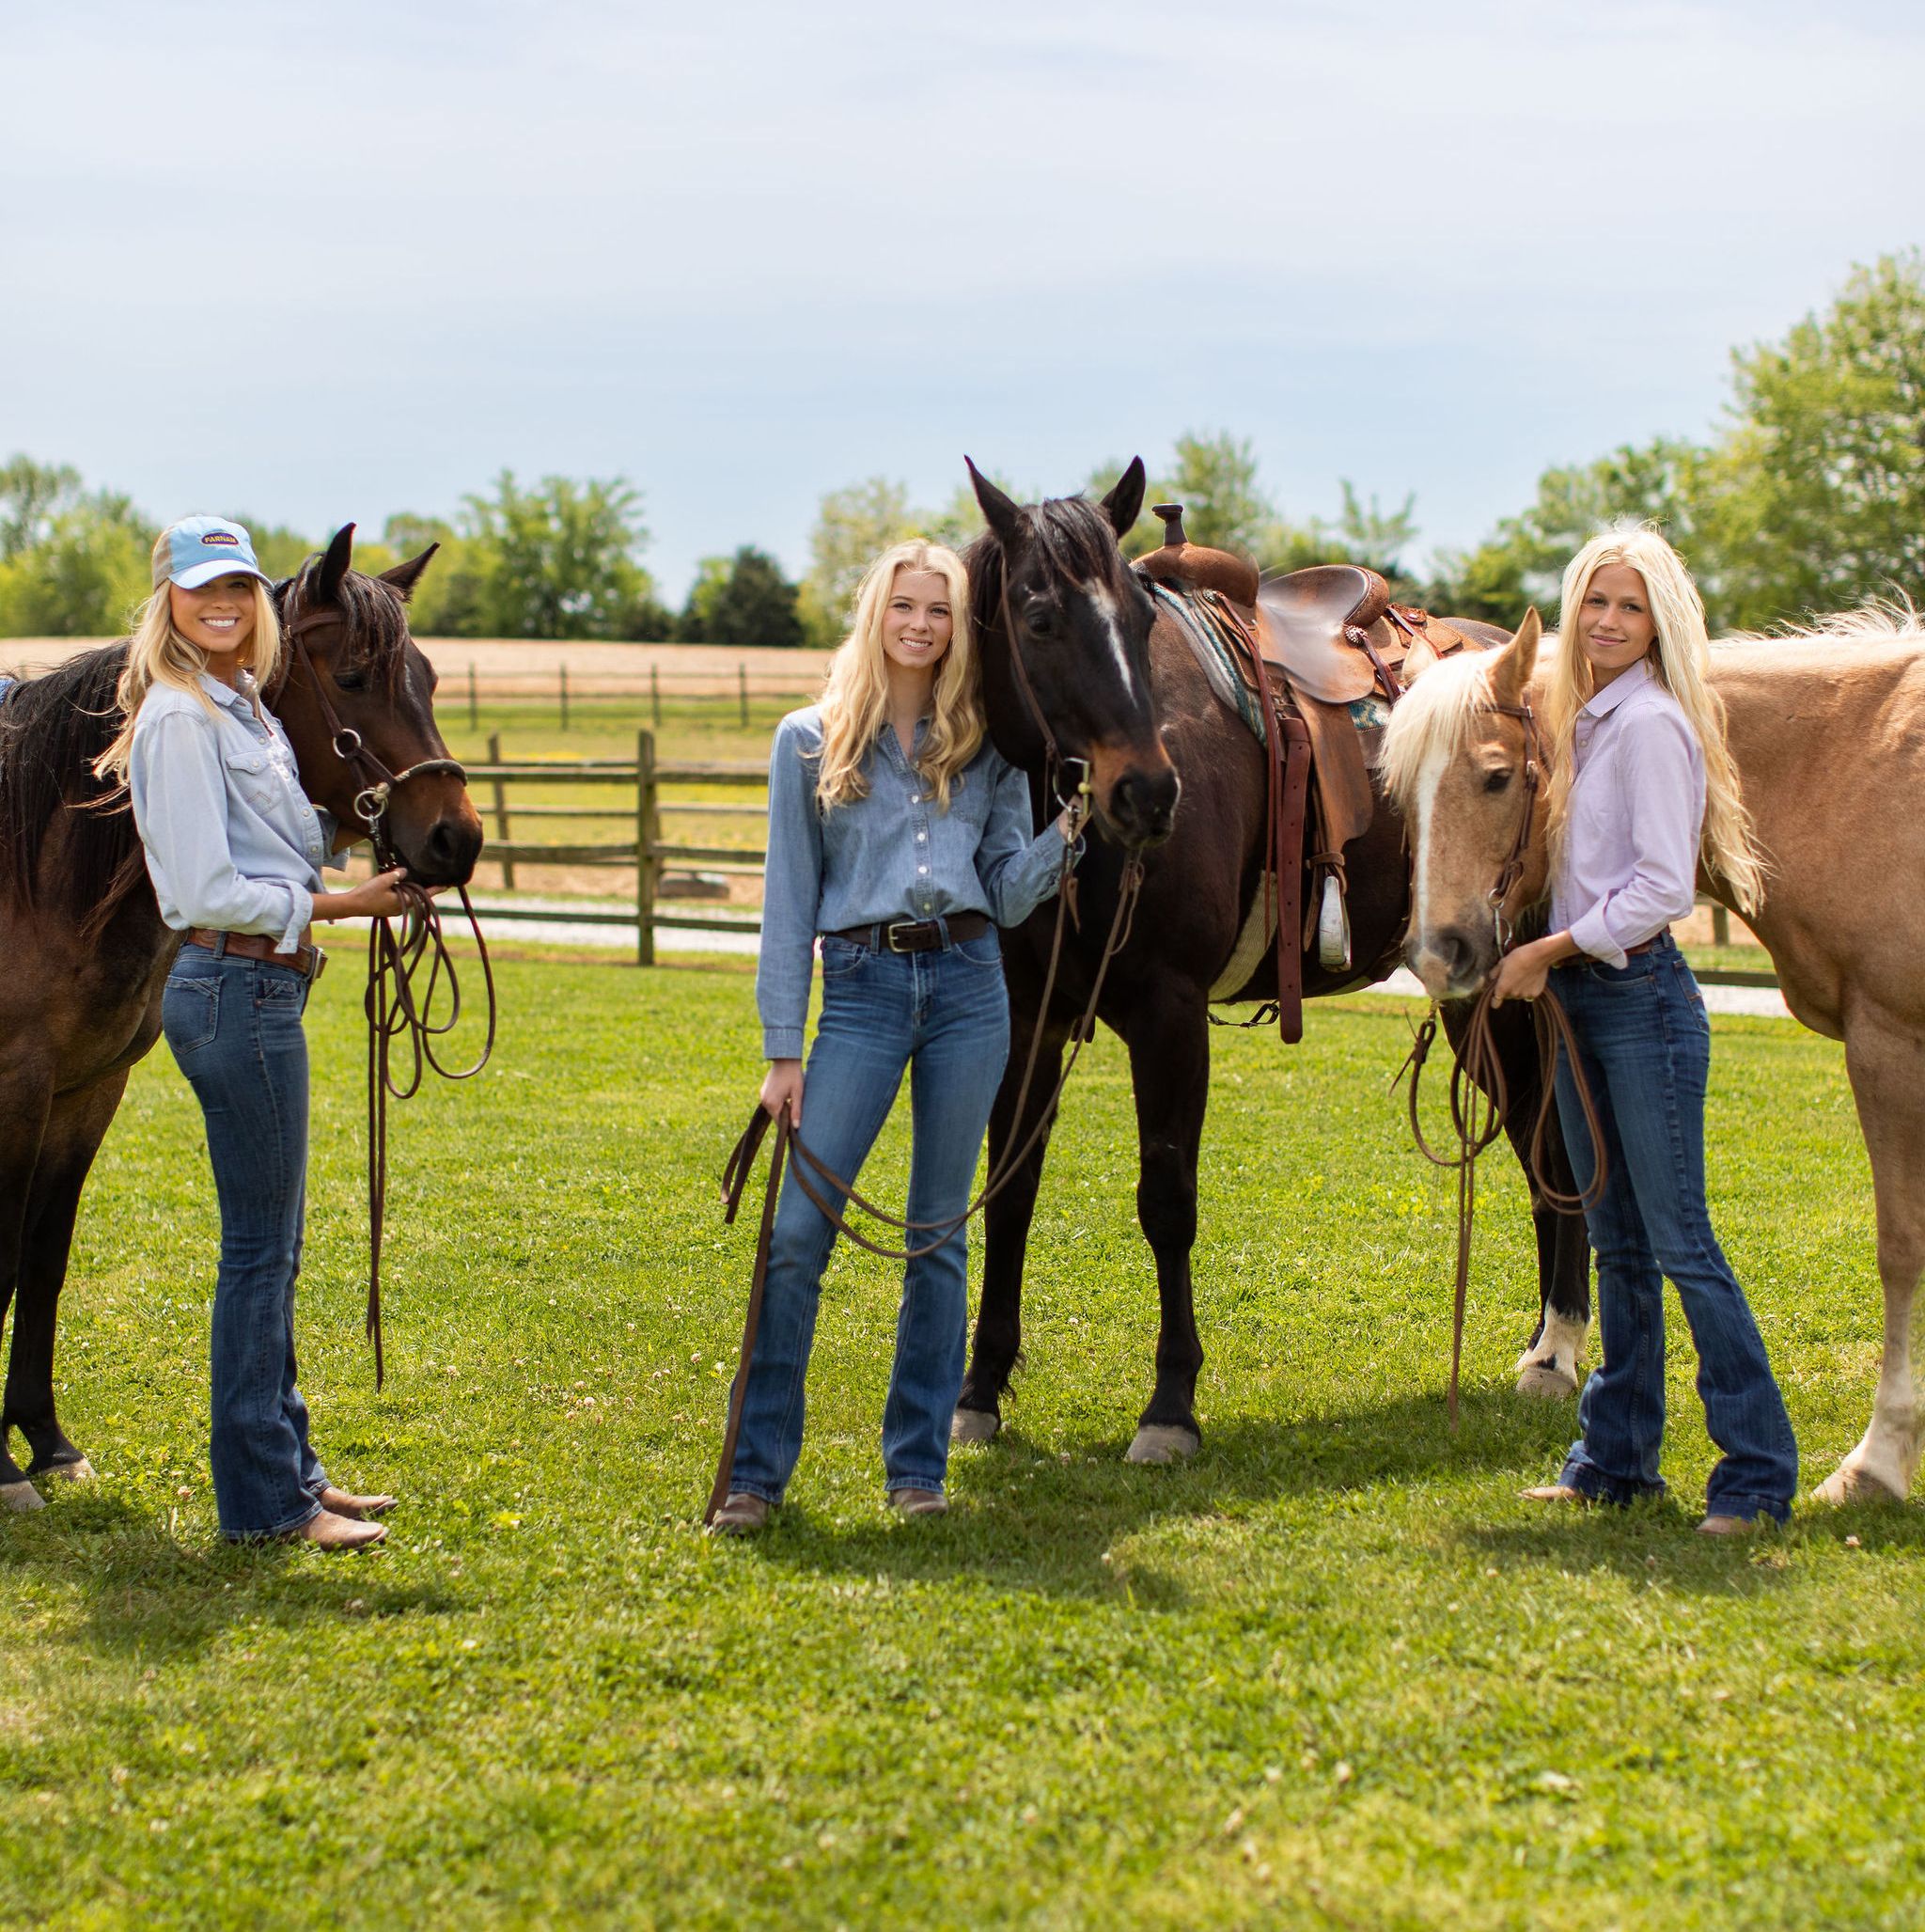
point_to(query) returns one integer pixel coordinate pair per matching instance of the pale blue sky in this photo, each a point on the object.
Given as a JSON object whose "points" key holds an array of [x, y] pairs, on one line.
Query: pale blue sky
{"points": [[335, 262]]}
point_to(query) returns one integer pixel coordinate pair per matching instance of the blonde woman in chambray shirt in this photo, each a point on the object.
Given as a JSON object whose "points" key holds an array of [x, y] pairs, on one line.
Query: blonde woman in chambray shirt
{"points": [[901, 838], [235, 849], [1642, 789]]}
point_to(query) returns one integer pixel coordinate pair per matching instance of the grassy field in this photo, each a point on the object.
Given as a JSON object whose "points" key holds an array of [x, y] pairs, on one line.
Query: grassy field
{"points": [[1333, 1673]]}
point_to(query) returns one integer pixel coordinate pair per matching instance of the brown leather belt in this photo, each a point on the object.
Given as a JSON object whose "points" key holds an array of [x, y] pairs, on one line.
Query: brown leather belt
{"points": [[305, 958], [1657, 939], [915, 936]]}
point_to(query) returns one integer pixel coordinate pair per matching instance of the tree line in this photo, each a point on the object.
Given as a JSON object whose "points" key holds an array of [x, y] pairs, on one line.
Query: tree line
{"points": [[1807, 496]]}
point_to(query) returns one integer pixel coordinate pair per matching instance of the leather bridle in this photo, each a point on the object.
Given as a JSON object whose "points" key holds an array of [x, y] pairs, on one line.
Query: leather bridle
{"points": [[1512, 871]]}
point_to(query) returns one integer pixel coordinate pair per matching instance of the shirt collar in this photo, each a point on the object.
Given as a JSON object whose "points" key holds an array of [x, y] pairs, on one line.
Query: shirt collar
{"points": [[226, 693], [1619, 689]]}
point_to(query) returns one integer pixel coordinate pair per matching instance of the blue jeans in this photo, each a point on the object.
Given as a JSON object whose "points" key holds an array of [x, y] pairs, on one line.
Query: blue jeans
{"points": [[944, 1016], [1645, 1044], [235, 1027]]}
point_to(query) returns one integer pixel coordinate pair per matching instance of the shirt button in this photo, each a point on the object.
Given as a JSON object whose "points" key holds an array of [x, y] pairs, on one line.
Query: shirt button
{"points": [[922, 869], [920, 837]]}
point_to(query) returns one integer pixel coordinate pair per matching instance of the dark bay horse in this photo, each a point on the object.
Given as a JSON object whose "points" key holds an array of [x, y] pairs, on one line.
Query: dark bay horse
{"points": [[84, 955], [1053, 574]]}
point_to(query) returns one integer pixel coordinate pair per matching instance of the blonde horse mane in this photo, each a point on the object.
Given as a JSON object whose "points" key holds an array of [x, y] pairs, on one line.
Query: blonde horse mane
{"points": [[1433, 720], [1877, 620]]}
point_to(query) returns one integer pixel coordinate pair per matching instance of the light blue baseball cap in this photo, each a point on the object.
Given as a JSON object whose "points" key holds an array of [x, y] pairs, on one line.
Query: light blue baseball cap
{"points": [[198, 549]]}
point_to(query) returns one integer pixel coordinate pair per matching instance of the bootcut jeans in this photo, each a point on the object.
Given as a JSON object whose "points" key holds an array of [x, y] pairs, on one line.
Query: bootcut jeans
{"points": [[944, 1016], [234, 1025], [1645, 1046]]}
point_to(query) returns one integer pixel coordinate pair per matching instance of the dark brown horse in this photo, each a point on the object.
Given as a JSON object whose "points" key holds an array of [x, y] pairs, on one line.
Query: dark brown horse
{"points": [[83, 954], [1053, 573]]}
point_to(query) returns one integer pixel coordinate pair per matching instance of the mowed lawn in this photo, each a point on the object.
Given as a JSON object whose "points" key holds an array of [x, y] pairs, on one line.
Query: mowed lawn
{"points": [[1333, 1673]]}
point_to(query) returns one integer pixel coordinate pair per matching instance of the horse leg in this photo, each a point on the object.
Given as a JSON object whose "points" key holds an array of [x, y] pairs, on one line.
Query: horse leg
{"points": [[1549, 1364], [1170, 1067], [24, 1103], [76, 1124], [999, 1339], [1887, 1064]]}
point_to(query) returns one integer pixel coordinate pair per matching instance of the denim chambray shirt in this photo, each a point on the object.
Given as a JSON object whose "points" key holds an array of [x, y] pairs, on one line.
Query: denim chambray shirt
{"points": [[893, 854], [232, 841]]}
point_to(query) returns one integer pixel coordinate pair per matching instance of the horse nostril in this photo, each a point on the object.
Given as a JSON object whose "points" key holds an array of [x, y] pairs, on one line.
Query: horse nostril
{"points": [[1458, 951]]}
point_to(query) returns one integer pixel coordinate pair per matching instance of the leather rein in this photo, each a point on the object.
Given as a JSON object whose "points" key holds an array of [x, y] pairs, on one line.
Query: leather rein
{"points": [[394, 1005], [1480, 1101], [818, 1181]]}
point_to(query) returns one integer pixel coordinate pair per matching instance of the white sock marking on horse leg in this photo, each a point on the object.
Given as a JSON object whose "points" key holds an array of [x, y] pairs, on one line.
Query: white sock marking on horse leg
{"points": [[1558, 1349], [1888, 1452]]}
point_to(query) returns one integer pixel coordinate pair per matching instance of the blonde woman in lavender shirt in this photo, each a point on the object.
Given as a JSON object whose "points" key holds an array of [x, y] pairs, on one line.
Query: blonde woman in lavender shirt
{"points": [[1642, 789]]}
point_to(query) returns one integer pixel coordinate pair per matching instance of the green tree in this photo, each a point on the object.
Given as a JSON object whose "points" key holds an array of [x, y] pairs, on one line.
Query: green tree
{"points": [[85, 574], [692, 626], [281, 551], [30, 495], [749, 601], [1815, 497], [1522, 563], [1215, 480], [561, 560]]}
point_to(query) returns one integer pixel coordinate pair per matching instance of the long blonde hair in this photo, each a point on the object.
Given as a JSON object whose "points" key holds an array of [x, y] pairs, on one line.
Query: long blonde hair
{"points": [[855, 705], [157, 654], [1680, 660]]}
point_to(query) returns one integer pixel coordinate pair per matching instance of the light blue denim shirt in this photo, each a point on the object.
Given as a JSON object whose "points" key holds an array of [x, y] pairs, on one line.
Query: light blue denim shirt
{"points": [[232, 841], [892, 855]]}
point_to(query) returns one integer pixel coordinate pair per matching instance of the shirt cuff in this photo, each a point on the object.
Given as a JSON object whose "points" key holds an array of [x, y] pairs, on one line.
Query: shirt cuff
{"points": [[1590, 935], [781, 1043], [300, 916]]}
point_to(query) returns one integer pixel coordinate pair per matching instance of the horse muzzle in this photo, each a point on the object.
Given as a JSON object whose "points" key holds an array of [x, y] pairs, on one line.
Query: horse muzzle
{"points": [[1135, 796], [1452, 961]]}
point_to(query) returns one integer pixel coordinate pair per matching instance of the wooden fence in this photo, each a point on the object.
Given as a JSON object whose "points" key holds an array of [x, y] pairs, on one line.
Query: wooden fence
{"points": [[646, 850], [632, 690]]}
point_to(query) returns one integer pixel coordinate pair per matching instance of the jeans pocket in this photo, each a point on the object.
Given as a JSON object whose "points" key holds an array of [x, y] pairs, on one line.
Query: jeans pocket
{"points": [[841, 956], [281, 989], [1635, 971], [984, 953], [190, 1012]]}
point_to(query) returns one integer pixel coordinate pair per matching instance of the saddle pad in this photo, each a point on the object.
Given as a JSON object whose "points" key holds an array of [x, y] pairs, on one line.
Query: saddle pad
{"points": [[1213, 658]]}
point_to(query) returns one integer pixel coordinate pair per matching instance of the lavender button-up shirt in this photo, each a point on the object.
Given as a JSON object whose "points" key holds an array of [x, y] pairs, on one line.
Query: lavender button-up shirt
{"points": [[1636, 814]]}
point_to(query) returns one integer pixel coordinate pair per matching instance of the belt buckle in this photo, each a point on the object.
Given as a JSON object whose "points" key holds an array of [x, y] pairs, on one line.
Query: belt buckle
{"points": [[318, 965], [890, 932]]}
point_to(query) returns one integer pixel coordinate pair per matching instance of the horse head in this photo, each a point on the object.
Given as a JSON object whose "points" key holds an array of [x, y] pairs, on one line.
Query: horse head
{"points": [[1064, 627], [357, 698], [1464, 764]]}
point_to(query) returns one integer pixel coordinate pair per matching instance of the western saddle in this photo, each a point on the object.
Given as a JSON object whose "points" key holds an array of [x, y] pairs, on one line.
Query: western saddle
{"points": [[1326, 654]]}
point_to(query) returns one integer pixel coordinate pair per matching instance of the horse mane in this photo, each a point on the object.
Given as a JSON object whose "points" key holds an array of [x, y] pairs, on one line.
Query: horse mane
{"points": [[373, 613], [1076, 540], [1433, 720], [52, 729], [1877, 620]]}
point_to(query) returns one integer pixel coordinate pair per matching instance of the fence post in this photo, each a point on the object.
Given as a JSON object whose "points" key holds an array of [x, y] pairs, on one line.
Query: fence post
{"points": [[473, 700], [741, 682], [655, 697], [564, 696], [1720, 926], [508, 865], [647, 833]]}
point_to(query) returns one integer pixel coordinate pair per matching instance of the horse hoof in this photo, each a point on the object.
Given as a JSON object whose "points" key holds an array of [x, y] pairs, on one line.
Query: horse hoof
{"points": [[20, 1496], [975, 1426], [79, 1470], [1847, 1484], [1547, 1380], [1156, 1442]]}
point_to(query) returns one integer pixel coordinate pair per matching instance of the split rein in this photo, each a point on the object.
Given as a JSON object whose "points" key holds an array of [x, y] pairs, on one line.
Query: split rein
{"points": [[1479, 1095], [398, 1006]]}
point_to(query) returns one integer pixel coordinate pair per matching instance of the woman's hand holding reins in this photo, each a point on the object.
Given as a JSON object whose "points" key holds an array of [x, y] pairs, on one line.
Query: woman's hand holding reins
{"points": [[783, 1082], [375, 898], [1524, 972]]}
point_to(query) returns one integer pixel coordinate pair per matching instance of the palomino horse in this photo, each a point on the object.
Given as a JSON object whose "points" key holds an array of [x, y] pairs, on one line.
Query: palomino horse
{"points": [[1052, 573], [84, 955], [1841, 705]]}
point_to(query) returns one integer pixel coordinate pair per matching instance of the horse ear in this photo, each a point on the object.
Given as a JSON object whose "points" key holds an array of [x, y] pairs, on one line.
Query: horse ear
{"points": [[335, 565], [405, 576], [1511, 674], [1124, 504], [998, 512]]}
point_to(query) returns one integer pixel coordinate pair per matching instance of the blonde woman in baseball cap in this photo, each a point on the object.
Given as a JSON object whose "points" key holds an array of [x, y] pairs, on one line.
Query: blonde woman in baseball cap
{"points": [[235, 849]]}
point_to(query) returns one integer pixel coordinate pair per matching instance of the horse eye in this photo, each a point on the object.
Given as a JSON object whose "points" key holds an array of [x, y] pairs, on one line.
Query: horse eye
{"points": [[1496, 781], [1041, 620], [353, 680]]}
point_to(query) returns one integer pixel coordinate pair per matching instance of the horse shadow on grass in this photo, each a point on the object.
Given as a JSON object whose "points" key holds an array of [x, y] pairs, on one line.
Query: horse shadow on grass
{"points": [[1043, 1517], [142, 1589]]}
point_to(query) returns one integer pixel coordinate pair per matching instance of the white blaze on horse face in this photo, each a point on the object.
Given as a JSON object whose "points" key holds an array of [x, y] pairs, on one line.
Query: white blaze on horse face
{"points": [[1423, 813], [1104, 599]]}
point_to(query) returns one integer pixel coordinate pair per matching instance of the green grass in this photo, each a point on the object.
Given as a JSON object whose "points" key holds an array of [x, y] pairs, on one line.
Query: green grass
{"points": [[1333, 1673]]}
